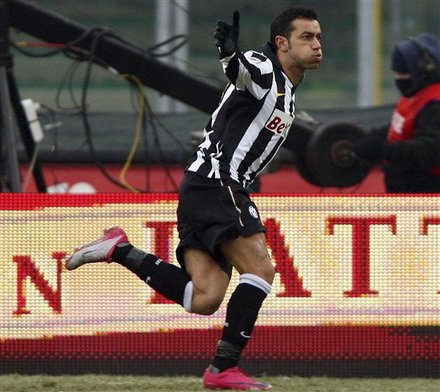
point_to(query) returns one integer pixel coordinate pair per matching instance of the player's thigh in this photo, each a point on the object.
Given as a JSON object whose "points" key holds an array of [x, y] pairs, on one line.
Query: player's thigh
{"points": [[250, 255], [207, 276]]}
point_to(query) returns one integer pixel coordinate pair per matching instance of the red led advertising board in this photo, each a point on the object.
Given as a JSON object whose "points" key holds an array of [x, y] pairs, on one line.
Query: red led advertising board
{"points": [[357, 287]]}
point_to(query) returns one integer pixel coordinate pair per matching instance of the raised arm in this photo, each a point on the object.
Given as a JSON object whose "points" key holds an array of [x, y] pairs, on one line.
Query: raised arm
{"points": [[249, 71]]}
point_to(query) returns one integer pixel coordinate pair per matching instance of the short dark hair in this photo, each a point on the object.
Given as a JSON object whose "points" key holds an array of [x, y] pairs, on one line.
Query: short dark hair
{"points": [[282, 23]]}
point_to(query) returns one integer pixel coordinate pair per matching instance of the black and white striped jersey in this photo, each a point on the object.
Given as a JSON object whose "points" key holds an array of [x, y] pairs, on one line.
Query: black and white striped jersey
{"points": [[251, 122]]}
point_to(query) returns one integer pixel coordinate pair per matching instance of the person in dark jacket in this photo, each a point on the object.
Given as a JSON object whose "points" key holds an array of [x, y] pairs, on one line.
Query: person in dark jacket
{"points": [[409, 148]]}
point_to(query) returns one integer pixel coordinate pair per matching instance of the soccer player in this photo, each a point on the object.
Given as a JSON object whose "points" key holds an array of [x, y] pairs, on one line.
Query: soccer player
{"points": [[219, 226]]}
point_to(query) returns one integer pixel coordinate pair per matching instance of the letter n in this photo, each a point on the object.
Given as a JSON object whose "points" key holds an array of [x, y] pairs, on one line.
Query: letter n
{"points": [[27, 269]]}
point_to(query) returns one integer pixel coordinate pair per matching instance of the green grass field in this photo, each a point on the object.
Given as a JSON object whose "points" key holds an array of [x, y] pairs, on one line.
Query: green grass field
{"points": [[103, 383]]}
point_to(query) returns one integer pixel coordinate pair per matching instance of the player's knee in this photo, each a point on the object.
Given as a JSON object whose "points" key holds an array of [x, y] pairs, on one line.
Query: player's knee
{"points": [[263, 263], [210, 305], [267, 272], [207, 300], [262, 266]]}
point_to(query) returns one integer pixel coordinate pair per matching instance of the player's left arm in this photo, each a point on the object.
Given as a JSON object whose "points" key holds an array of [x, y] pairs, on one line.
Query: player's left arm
{"points": [[249, 71]]}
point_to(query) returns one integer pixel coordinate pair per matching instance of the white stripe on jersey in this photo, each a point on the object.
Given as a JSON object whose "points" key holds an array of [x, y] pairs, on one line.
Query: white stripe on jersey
{"points": [[244, 80], [251, 134]]}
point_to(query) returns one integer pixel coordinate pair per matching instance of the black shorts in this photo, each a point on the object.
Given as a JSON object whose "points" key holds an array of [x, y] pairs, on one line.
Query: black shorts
{"points": [[210, 213]]}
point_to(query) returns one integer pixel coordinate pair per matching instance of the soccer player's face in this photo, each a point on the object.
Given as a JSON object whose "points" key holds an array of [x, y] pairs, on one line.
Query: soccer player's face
{"points": [[304, 44]]}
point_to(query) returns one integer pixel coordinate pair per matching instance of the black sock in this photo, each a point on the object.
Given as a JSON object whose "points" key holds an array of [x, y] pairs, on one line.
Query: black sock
{"points": [[241, 315], [227, 356], [121, 252], [163, 277]]}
